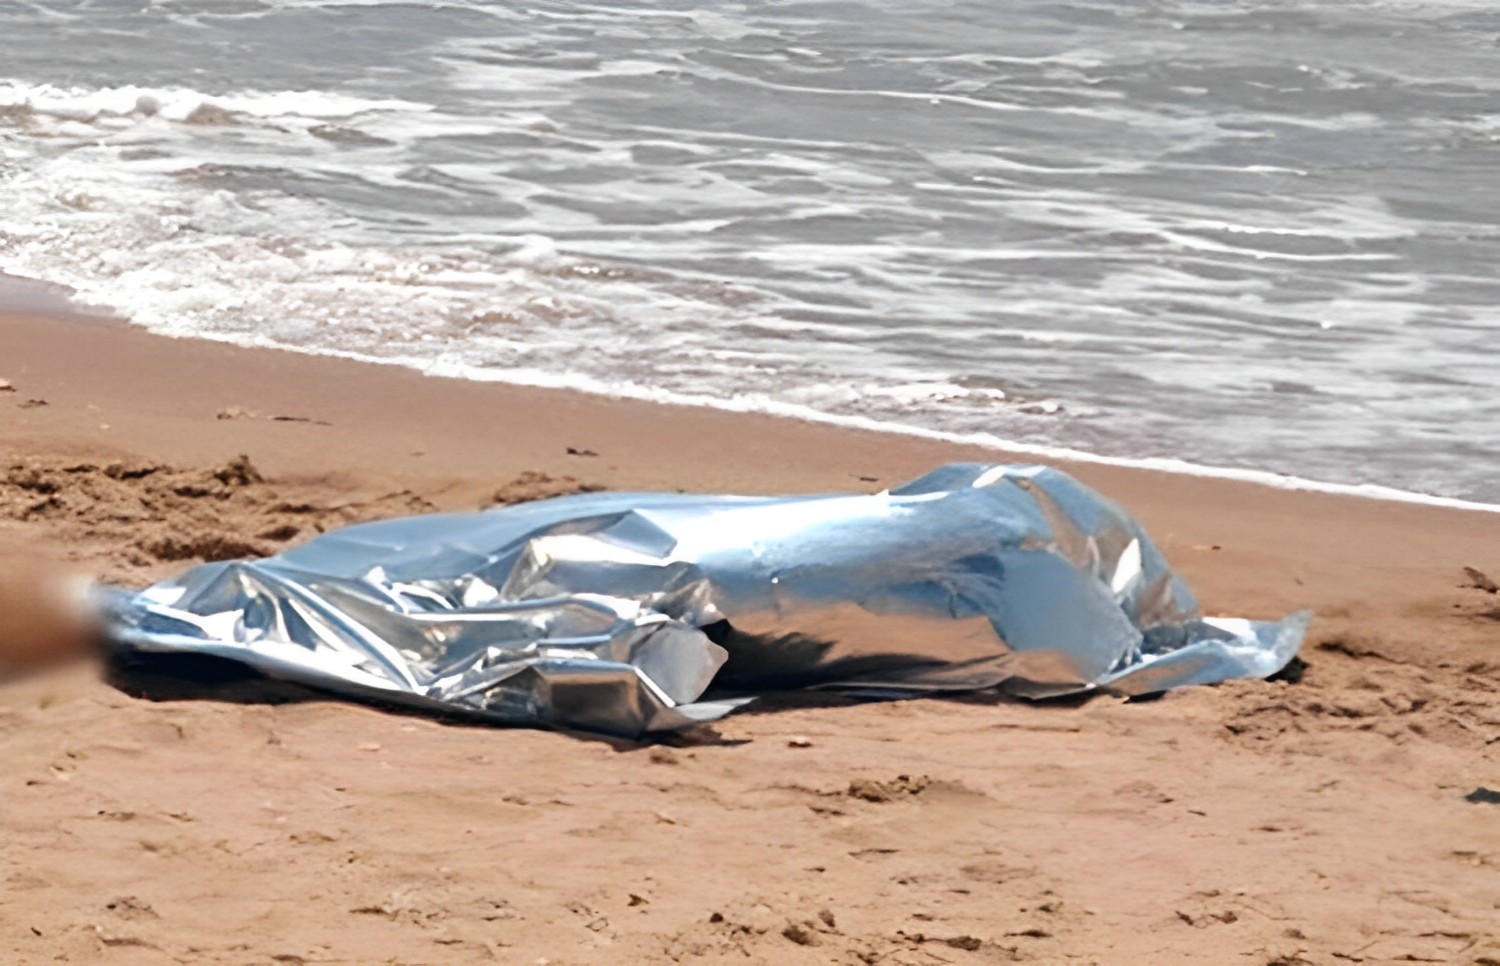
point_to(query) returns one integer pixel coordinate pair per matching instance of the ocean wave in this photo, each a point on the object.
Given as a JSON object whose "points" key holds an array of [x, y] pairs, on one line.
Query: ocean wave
{"points": [[186, 105]]}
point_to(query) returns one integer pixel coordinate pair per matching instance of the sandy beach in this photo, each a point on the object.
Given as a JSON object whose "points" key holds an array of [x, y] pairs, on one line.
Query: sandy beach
{"points": [[1323, 818]]}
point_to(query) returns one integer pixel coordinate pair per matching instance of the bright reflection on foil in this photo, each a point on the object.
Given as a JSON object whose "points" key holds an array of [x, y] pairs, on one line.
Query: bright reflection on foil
{"points": [[629, 613]]}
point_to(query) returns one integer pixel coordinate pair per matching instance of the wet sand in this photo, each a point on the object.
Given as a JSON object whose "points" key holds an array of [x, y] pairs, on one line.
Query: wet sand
{"points": [[1317, 819]]}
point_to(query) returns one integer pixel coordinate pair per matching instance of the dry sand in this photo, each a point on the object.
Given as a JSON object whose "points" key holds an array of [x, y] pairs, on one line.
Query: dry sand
{"points": [[1318, 820]]}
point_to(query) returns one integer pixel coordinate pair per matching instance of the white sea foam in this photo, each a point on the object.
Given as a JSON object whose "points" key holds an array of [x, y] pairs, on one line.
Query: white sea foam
{"points": [[181, 104], [443, 367]]}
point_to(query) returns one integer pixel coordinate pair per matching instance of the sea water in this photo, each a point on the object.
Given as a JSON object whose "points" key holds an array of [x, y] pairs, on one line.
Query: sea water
{"points": [[1255, 235]]}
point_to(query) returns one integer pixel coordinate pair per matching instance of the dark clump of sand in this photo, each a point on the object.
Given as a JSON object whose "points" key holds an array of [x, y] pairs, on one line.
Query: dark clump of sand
{"points": [[1334, 815], [129, 518]]}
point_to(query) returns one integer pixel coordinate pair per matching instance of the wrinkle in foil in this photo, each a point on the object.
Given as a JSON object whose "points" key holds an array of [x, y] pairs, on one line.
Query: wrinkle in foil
{"points": [[629, 613]]}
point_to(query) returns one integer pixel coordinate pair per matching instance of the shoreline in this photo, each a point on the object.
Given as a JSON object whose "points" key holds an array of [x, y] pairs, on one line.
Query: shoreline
{"points": [[1252, 819], [36, 297], [1011, 450]]}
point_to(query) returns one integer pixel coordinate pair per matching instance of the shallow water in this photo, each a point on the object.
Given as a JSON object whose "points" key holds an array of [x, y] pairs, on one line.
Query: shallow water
{"points": [[1243, 234]]}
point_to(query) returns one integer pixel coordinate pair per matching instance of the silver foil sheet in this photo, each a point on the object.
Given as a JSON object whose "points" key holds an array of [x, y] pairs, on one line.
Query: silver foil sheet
{"points": [[630, 613]]}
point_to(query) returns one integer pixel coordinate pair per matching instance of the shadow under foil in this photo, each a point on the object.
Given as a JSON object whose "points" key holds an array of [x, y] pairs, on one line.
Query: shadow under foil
{"points": [[777, 673], [181, 676], [761, 663]]}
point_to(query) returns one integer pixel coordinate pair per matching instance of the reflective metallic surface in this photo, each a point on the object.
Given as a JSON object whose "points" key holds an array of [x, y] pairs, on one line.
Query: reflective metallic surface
{"points": [[618, 612]]}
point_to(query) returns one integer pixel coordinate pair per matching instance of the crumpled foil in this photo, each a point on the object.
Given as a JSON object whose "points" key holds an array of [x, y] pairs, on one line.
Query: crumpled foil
{"points": [[629, 613]]}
